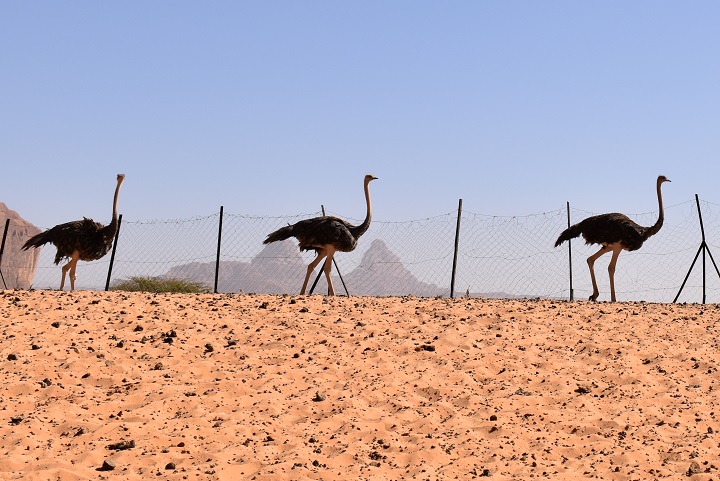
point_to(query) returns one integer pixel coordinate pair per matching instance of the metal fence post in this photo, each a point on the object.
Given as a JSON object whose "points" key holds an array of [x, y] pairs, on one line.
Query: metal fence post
{"points": [[572, 294], [2, 250], [457, 240], [112, 256], [705, 249], [217, 260]]}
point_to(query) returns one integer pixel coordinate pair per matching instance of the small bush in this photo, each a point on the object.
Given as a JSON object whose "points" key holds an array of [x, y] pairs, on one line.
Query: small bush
{"points": [[159, 284]]}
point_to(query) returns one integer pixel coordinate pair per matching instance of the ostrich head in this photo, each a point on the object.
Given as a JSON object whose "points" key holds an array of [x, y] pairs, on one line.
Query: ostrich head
{"points": [[369, 177], [662, 179]]}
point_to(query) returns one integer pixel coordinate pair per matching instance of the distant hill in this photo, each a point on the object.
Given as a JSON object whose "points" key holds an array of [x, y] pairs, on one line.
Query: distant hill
{"points": [[381, 273], [277, 269], [280, 269]]}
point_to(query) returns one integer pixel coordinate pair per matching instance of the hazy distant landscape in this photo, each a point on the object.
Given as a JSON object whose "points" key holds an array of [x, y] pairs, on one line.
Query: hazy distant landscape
{"points": [[279, 269]]}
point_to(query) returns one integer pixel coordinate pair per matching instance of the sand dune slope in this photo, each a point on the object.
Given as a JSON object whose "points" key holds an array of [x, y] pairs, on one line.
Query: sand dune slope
{"points": [[204, 387]]}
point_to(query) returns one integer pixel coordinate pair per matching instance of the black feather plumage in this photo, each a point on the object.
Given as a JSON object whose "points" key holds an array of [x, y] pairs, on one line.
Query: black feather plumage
{"points": [[91, 239], [607, 229], [313, 234]]}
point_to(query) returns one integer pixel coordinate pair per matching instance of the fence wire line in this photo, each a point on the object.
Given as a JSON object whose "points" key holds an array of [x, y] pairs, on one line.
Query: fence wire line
{"points": [[498, 256]]}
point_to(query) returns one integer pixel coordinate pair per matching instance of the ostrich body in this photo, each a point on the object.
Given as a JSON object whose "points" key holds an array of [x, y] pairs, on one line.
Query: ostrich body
{"points": [[325, 235], [84, 239], [614, 232]]}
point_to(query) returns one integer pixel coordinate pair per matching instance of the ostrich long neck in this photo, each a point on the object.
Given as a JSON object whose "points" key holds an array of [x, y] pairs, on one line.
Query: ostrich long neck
{"points": [[112, 227], [359, 230], [655, 228]]}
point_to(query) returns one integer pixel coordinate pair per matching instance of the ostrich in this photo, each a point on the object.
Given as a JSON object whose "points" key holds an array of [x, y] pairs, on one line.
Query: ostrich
{"points": [[79, 240], [325, 235], [614, 232]]}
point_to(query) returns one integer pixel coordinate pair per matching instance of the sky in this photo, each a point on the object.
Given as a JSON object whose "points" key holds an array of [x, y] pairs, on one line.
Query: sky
{"points": [[276, 107]]}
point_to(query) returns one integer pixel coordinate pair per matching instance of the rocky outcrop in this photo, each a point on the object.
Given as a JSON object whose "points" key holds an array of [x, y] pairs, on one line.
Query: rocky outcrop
{"points": [[17, 266], [382, 273], [277, 269], [280, 269]]}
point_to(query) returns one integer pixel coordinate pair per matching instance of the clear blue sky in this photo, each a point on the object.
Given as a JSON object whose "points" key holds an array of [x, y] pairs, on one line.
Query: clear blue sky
{"points": [[275, 107]]}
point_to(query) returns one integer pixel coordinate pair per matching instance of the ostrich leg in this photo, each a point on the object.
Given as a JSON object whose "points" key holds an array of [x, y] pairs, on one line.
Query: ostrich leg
{"points": [[320, 255], [64, 272], [611, 270], [70, 266], [591, 264], [327, 268]]}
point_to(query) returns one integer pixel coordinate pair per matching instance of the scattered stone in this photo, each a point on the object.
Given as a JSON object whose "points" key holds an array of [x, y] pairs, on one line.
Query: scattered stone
{"points": [[108, 465], [138, 328], [694, 468], [583, 389], [15, 420], [122, 445], [34, 347], [426, 347], [55, 324], [375, 456], [209, 348], [170, 466], [318, 397], [12, 357]]}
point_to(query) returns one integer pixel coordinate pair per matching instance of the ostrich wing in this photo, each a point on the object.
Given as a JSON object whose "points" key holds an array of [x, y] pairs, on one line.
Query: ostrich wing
{"points": [[612, 228], [321, 231], [86, 236]]}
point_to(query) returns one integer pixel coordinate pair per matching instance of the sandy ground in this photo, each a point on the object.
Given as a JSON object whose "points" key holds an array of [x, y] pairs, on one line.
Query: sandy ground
{"points": [[229, 387]]}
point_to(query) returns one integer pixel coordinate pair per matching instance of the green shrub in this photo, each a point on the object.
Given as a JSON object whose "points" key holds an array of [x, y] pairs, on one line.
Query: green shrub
{"points": [[159, 284]]}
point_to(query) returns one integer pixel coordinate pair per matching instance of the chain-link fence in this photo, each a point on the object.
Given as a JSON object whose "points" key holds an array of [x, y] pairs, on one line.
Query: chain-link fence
{"points": [[497, 256]]}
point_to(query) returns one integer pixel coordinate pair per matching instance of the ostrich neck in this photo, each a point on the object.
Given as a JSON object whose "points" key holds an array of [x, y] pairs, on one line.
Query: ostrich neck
{"points": [[113, 222], [661, 217], [359, 230]]}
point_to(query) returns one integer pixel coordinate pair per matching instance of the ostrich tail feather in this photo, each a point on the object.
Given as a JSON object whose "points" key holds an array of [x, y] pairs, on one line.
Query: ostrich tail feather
{"points": [[37, 240], [570, 233], [279, 235]]}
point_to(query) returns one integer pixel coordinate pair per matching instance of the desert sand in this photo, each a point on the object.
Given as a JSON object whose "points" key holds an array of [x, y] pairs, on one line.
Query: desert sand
{"points": [[138, 386]]}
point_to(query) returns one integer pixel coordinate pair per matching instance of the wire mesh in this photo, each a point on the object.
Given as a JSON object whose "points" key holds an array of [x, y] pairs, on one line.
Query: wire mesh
{"points": [[513, 256], [498, 256]]}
